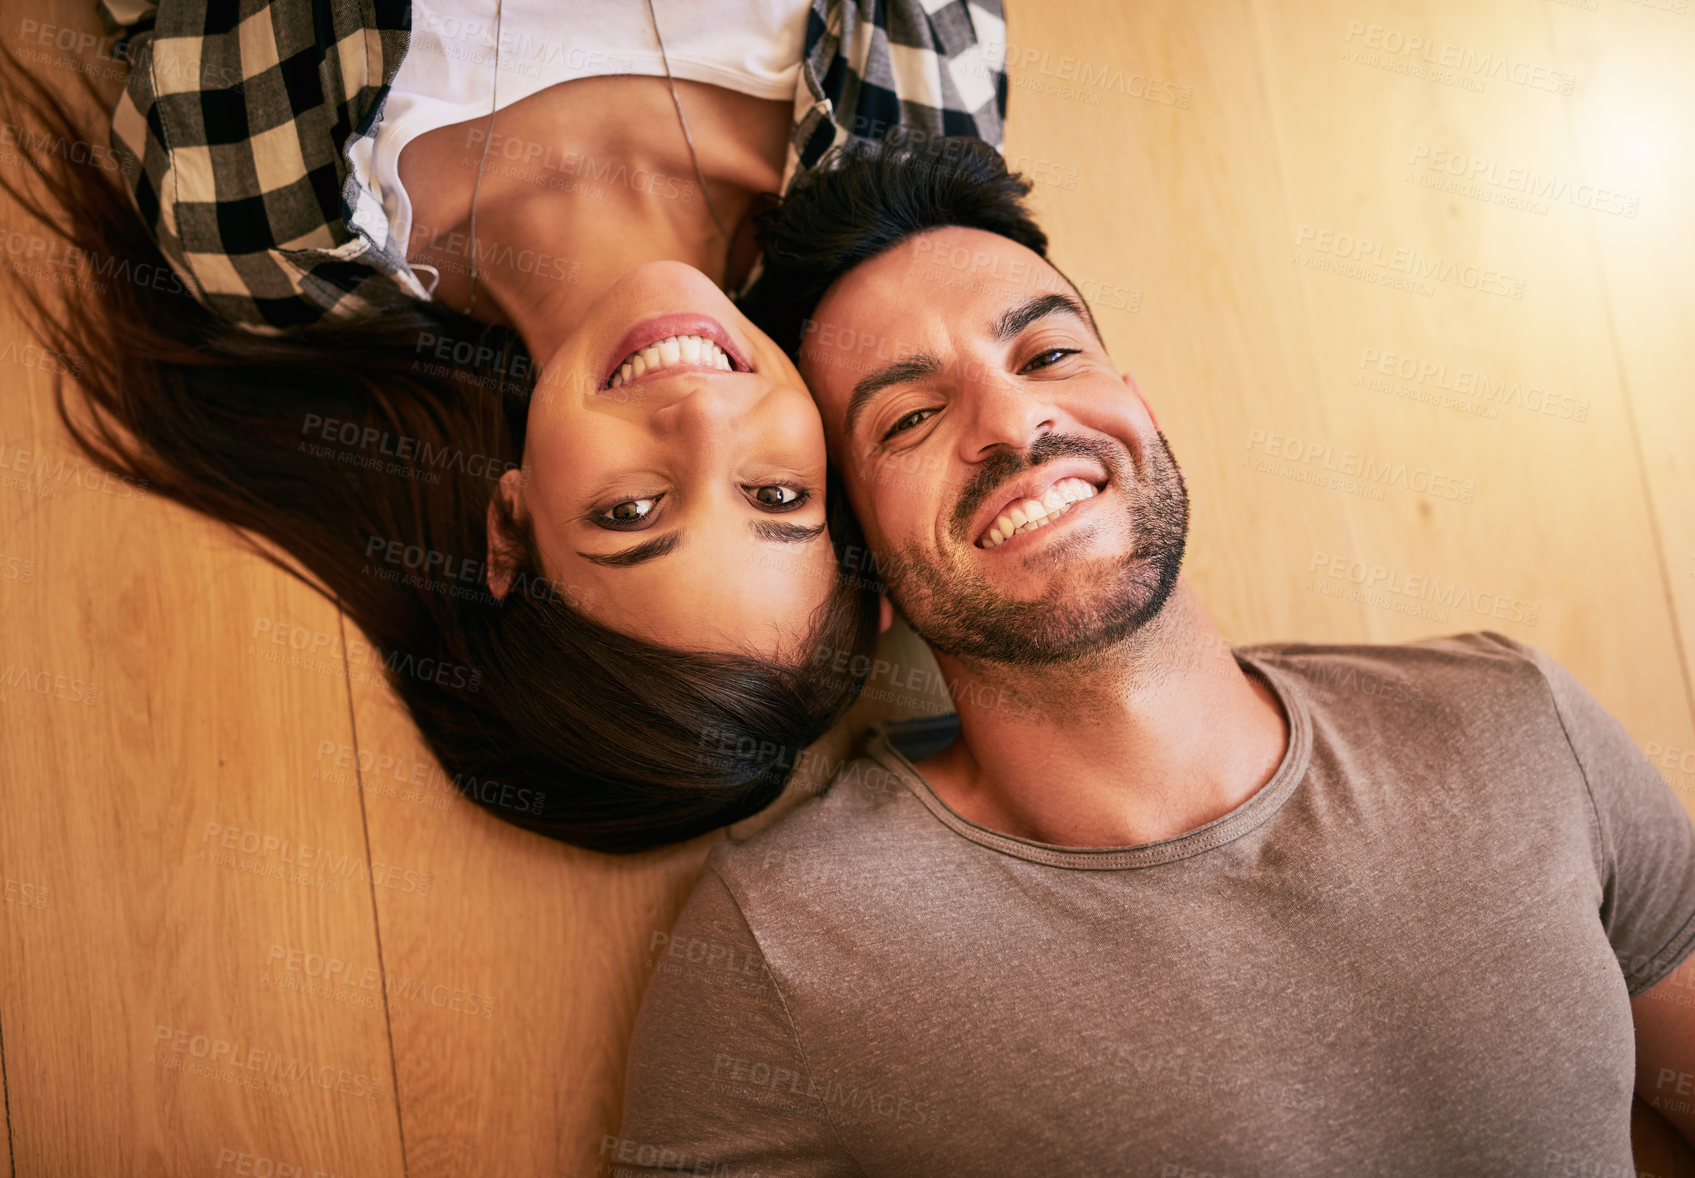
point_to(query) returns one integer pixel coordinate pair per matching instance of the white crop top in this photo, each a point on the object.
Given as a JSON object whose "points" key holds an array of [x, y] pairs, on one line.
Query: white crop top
{"points": [[448, 74]]}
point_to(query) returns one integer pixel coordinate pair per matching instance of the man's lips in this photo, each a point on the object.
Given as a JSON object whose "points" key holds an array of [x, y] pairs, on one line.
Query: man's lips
{"points": [[661, 327], [1036, 499]]}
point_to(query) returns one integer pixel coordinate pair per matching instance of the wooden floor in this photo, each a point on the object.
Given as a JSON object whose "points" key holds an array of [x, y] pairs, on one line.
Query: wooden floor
{"points": [[1449, 239]]}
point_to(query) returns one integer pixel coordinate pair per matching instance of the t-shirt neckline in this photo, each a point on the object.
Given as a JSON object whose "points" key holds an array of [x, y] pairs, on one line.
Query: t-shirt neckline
{"points": [[1265, 802]]}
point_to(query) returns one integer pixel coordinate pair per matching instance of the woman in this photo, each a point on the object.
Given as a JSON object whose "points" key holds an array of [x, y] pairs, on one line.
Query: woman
{"points": [[421, 357]]}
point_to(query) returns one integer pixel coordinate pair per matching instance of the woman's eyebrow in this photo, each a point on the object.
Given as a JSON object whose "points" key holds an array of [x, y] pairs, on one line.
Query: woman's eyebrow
{"points": [[784, 533], [645, 551]]}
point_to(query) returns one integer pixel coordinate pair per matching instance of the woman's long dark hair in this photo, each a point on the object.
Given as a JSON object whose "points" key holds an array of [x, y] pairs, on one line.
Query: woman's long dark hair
{"points": [[368, 454]]}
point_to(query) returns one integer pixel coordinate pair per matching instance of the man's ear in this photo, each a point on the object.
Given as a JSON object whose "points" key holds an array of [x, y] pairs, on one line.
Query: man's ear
{"points": [[1130, 383], [505, 550], [885, 613]]}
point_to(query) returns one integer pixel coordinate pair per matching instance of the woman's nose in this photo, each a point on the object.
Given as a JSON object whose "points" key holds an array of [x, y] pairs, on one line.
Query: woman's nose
{"points": [[708, 409]]}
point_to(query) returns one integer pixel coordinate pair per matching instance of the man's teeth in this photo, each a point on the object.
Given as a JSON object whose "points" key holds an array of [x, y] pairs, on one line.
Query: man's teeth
{"points": [[1038, 513], [672, 352]]}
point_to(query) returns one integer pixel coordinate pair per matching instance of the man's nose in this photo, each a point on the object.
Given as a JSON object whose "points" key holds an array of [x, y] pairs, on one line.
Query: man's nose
{"points": [[1002, 412]]}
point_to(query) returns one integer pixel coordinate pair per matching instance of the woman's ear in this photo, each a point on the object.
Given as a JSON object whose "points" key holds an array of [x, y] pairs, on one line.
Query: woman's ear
{"points": [[505, 550]]}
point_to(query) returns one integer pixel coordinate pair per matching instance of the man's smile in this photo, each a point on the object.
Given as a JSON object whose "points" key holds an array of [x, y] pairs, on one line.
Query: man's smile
{"points": [[1038, 499]]}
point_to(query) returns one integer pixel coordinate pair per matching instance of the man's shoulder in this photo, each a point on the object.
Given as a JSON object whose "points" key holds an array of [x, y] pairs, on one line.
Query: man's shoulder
{"points": [[1416, 665], [867, 824], [1479, 675]]}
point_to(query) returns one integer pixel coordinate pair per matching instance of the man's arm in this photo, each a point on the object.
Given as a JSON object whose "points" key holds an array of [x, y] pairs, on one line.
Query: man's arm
{"points": [[717, 1080], [1665, 1047]]}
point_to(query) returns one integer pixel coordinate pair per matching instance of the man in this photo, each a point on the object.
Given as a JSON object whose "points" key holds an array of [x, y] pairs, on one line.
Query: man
{"points": [[1161, 907]]}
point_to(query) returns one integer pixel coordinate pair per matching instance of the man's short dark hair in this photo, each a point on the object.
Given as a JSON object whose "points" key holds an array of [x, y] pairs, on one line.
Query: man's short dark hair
{"points": [[868, 197]]}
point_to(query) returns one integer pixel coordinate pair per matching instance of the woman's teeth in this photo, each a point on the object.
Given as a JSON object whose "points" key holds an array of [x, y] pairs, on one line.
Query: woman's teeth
{"points": [[672, 352], [1038, 513]]}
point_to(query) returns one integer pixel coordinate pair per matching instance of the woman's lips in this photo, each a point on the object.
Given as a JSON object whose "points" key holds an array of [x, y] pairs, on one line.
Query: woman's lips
{"points": [[651, 331]]}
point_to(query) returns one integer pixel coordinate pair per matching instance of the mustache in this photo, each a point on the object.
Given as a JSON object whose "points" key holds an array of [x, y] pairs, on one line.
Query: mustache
{"points": [[1001, 468]]}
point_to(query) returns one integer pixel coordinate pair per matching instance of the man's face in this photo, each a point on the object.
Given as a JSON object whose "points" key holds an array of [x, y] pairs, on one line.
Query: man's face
{"points": [[1022, 505]]}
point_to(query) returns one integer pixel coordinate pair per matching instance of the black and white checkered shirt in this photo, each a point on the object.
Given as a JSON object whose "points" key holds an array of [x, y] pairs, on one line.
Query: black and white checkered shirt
{"points": [[237, 119]]}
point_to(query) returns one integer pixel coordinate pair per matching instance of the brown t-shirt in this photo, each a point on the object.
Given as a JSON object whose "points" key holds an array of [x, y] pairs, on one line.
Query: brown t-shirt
{"points": [[1410, 952]]}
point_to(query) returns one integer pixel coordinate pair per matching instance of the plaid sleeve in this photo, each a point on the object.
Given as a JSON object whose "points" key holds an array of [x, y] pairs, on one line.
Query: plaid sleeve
{"points": [[233, 130], [931, 66]]}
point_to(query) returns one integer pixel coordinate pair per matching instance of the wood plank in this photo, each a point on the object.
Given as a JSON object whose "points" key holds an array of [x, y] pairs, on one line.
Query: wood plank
{"points": [[156, 808], [525, 958], [1559, 510], [1630, 124]]}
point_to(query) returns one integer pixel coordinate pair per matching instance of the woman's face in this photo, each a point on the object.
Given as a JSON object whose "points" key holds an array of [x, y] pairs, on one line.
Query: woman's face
{"points": [[678, 497]]}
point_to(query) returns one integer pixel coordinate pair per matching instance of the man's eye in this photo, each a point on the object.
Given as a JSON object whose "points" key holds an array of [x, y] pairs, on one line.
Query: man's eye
{"points": [[627, 514], [911, 421], [780, 496], [1048, 357]]}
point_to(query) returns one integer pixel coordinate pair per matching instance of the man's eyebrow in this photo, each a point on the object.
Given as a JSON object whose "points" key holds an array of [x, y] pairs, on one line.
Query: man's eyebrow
{"points": [[1018, 318], [645, 551], [783, 533], [914, 366]]}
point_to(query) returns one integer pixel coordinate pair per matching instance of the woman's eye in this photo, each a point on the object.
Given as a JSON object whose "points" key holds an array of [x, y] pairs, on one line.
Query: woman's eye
{"points": [[911, 421], [1048, 357], [780, 497], [627, 513]]}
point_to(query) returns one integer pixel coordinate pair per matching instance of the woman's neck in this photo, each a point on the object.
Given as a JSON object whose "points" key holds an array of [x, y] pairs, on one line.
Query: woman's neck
{"points": [[580, 183]]}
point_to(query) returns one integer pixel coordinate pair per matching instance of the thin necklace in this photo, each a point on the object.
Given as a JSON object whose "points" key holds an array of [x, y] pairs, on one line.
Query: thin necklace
{"points": [[488, 136], [665, 59]]}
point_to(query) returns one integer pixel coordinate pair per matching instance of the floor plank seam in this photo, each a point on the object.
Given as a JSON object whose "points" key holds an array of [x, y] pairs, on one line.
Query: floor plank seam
{"points": [[376, 918]]}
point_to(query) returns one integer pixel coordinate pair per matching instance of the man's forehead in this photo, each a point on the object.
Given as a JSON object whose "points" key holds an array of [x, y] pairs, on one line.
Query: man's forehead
{"points": [[910, 298]]}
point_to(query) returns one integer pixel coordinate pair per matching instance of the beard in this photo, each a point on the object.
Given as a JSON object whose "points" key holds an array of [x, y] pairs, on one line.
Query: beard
{"points": [[1091, 605]]}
